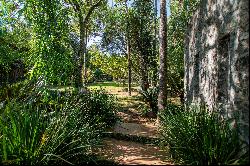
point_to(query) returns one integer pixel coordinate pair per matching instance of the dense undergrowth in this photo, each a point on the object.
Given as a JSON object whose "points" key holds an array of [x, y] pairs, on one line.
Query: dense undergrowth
{"points": [[199, 137], [43, 126]]}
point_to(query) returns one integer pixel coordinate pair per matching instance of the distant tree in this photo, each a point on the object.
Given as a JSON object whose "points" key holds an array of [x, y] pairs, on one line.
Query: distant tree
{"points": [[83, 10], [128, 51], [114, 65]]}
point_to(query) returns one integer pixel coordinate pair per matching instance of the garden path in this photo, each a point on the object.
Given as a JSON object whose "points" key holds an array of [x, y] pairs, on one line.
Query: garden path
{"points": [[130, 141]]}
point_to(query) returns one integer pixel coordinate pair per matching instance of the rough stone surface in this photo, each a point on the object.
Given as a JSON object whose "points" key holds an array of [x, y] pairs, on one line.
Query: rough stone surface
{"points": [[216, 59]]}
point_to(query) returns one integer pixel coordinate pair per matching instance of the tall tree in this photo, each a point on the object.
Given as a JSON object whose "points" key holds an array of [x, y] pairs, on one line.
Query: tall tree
{"points": [[80, 9], [162, 97], [128, 51], [154, 61], [142, 37]]}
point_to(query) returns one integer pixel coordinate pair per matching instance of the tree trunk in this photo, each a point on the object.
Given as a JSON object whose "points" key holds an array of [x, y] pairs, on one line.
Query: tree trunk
{"points": [[154, 77], [128, 52], [82, 47], [85, 61], [162, 97], [129, 69]]}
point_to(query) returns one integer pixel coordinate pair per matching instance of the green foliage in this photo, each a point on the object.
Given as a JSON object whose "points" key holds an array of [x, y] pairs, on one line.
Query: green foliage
{"points": [[150, 97], [181, 12], [142, 38], [136, 24], [50, 57], [97, 107], [196, 136], [45, 126], [12, 90], [113, 65], [31, 135]]}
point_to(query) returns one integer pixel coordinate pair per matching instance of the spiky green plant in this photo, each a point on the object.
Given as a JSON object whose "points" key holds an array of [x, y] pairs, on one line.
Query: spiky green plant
{"points": [[196, 136], [32, 136]]}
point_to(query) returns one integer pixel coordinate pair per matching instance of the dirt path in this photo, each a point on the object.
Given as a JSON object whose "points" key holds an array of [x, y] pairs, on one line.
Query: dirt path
{"points": [[132, 153], [129, 152]]}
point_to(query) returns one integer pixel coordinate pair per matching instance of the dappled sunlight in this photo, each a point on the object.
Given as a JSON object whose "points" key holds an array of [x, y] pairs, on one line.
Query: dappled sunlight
{"points": [[132, 153]]}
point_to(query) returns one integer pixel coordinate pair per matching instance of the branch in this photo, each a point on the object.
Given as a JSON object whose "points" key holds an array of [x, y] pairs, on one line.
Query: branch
{"points": [[92, 8], [75, 5]]}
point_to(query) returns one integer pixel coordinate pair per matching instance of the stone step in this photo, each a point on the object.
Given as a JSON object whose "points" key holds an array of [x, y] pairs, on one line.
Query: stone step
{"points": [[144, 129], [142, 133]]}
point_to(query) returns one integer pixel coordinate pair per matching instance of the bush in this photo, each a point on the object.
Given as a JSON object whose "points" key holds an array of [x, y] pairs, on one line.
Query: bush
{"points": [[97, 107], [47, 126], [199, 137], [9, 91], [151, 98], [32, 136]]}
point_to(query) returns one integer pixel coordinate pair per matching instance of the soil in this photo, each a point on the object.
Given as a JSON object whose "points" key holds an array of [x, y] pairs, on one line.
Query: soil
{"points": [[133, 124], [132, 153]]}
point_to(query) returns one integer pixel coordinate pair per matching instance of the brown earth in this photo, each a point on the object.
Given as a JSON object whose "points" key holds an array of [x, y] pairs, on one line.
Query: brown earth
{"points": [[132, 123], [132, 153]]}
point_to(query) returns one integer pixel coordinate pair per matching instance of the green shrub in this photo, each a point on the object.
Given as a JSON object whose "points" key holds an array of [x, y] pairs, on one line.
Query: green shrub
{"points": [[196, 136], [15, 90], [97, 107], [32, 136], [45, 126], [150, 97]]}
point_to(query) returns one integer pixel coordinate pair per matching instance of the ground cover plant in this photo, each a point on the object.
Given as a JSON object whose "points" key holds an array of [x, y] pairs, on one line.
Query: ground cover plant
{"points": [[52, 127], [199, 137]]}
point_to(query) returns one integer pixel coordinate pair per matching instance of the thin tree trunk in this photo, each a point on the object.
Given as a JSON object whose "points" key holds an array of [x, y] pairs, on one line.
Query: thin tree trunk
{"points": [[85, 62], [79, 80], [162, 97], [154, 77], [129, 69], [128, 52]]}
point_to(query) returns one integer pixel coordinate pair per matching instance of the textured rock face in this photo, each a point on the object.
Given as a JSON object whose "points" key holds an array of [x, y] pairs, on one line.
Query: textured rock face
{"points": [[216, 59]]}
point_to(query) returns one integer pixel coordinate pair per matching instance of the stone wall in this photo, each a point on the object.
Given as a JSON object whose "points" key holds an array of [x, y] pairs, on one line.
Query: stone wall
{"points": [[216, 58]]}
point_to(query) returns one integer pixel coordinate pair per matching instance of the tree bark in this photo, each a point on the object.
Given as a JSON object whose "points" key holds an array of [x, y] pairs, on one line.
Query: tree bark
{"points": [[162, 97], [85, 58], [82, 47], [128, 52], [129, 69], [154, 77]]}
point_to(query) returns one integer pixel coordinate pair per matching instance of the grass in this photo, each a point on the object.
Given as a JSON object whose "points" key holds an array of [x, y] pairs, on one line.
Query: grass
{"points": [[113, 88], [110, 83], [61, 88], [124, 100]]}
